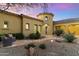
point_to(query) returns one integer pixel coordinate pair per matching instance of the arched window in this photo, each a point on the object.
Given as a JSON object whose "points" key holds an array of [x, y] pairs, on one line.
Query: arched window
{"points": [[27, 26], [46, 18]]}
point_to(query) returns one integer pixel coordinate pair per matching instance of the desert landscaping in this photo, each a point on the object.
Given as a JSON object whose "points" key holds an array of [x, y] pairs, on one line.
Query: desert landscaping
{"points": [[55, 46]]}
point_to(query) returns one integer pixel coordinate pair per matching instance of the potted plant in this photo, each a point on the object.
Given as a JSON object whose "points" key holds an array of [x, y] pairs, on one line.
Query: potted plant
{"points": [[30, 48]]}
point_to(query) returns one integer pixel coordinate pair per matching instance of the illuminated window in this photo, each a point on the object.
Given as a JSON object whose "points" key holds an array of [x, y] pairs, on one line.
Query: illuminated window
{"points": [[27, 26], [5, 24], [46, 18]]}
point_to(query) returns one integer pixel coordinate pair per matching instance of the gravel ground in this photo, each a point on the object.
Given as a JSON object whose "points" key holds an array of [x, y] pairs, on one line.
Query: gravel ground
{"points": [[55, 48], [60, 48]]}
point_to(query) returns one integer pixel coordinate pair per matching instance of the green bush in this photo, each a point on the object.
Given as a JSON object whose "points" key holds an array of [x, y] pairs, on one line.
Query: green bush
{"points": [[0, 39], [30, 45], [1, 36], [32, 36], [58, 32], [42, 46], [18, 35], [36, 35], [69, 37]]}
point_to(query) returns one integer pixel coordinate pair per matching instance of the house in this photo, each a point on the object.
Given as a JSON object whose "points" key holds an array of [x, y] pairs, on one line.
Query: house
{"points": [[14, 23]]}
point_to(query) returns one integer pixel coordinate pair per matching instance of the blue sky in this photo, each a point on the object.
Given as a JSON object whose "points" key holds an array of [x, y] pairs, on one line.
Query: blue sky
{"points": [[64, 11], [60, 10]]}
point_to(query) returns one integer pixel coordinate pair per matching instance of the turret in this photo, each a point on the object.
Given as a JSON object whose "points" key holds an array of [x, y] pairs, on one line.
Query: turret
{"points": [[48, 22]]}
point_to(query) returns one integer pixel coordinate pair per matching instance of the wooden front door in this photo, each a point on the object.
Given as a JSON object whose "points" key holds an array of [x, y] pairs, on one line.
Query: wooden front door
{"points": [[46, 30]]}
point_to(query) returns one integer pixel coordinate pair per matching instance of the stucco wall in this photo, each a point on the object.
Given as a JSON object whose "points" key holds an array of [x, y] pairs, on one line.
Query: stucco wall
{"points": [[14, 23], [49, 22], [31, 25], [71, 27]]}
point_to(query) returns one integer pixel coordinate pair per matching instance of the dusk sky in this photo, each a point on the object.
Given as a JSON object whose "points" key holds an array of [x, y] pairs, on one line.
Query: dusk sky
{"points": [[60, 10]]}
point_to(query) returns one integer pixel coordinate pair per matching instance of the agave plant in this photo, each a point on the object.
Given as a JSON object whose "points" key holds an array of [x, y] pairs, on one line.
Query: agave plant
{"points": [[69, 37]]}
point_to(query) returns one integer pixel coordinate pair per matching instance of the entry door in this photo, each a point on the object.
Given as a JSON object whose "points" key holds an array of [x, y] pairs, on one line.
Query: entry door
{"points": [[46, 30]]}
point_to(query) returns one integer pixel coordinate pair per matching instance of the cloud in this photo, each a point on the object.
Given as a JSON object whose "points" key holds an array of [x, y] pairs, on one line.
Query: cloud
{"points": [[63, 6]]}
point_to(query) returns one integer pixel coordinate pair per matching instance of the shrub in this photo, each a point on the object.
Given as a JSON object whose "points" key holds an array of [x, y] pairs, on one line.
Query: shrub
{"points": [[1, 36], [36, 35], [0, 39], [30, 45], [42, 46], [69, 37], [58, 32], [18, 35], [32, 36]]}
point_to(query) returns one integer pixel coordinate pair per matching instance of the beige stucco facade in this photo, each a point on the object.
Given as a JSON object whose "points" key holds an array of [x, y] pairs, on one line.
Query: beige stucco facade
{"points": [[72, 27], [14, 23], [31, 22], [17, 23], [48, 23], [43, 23]]}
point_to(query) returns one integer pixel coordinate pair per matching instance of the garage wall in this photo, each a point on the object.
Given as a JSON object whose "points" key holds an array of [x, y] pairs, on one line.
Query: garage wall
{"points": [[71, 27]]}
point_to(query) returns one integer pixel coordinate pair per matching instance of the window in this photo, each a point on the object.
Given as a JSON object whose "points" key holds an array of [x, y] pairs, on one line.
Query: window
{"points": [[35, 28], [27, 26], [46, 18], [5, 25], [39, 28]]}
